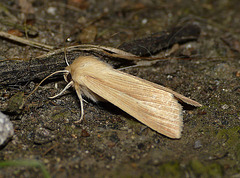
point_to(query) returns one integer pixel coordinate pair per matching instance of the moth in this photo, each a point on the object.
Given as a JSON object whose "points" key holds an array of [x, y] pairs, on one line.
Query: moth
{"points": [[152, 104]]}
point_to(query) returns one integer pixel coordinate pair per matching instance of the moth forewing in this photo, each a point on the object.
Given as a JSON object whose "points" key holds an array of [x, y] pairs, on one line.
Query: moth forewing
{"points": [[149, 104], [157, 109]]}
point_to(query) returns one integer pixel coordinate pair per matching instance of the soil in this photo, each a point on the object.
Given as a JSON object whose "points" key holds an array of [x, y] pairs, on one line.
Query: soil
{"points": [[109, 142]]}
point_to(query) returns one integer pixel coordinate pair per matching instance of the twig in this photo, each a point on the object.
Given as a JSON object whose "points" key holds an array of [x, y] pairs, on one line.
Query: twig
{"points": [[110, 51], [26, 41]]}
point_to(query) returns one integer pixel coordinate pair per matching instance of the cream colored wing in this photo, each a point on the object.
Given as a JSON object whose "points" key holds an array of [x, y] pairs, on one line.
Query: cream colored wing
{"points": [[149, 104], [177, 95]]}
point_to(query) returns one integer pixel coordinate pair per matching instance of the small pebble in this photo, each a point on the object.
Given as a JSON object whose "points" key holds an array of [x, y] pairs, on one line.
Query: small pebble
{"points": [[197, 144], [225, 106], [144, 21], [52, 10], [43, 135]]}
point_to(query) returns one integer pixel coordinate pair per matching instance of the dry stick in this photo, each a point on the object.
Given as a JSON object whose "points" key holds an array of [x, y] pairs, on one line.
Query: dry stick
{"points": [[26, 41], [110, 51], [84, 47], [49, 149], [87, 47]]}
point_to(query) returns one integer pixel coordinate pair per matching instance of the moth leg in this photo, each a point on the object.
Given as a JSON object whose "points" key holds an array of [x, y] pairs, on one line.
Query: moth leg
{"points": [[77, 88], [66, 87], [65, 56]]}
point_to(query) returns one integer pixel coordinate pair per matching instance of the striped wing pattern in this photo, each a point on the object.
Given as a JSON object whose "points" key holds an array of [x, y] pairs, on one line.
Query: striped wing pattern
{"points": [[149, 104]]}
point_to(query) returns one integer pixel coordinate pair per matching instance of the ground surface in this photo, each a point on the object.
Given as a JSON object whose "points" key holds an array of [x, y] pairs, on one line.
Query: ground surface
{"points": [[109, 143]]}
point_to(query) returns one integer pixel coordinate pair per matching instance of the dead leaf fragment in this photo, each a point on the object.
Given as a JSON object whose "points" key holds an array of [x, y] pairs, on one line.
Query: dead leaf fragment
{"points": [[81, 4], [15, 32], [88, 34]]}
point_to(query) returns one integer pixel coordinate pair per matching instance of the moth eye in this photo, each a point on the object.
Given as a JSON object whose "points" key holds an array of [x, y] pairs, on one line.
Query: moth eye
{"points": [[69, 77]]}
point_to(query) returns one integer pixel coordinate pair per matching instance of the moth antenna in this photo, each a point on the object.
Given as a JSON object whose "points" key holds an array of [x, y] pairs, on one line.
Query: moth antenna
{"points": [[140, 65], [65, 56], [81, 102], [60, 71], [66, 87], [128, 67]]}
